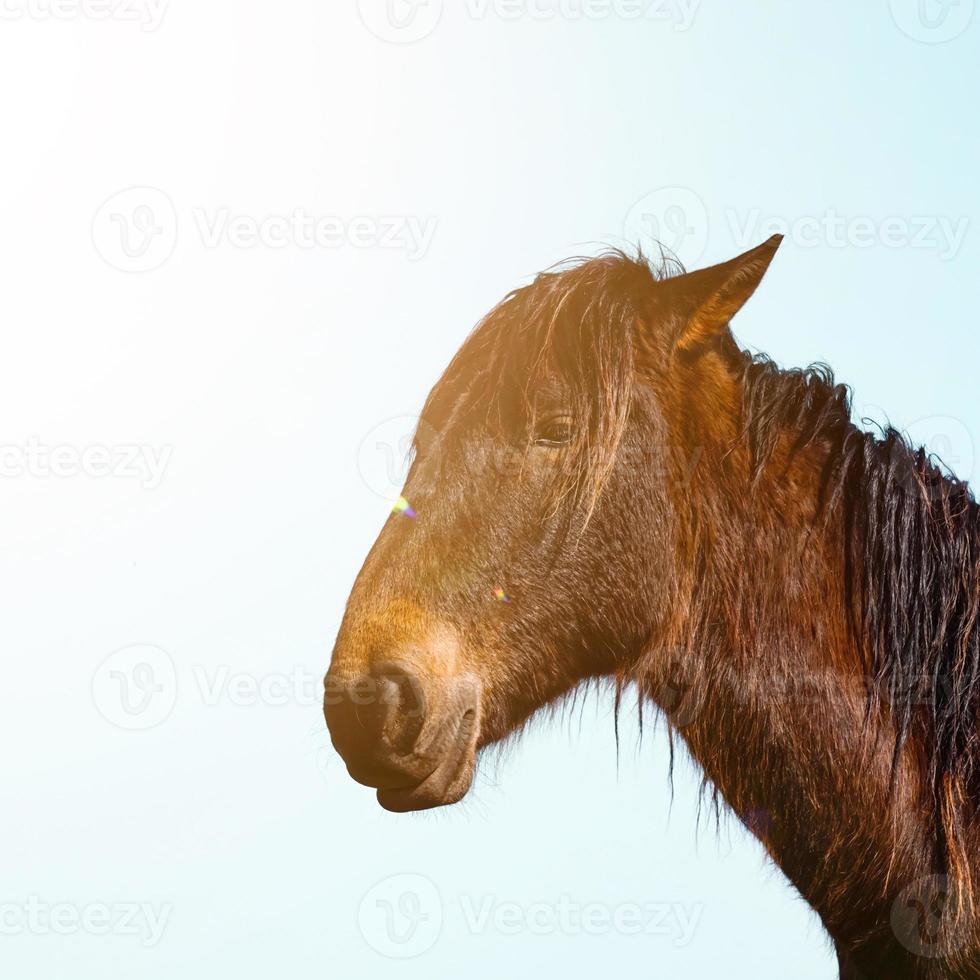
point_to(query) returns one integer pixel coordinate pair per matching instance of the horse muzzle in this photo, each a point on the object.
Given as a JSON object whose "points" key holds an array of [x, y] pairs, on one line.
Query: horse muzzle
{"points": [[406, 727]]}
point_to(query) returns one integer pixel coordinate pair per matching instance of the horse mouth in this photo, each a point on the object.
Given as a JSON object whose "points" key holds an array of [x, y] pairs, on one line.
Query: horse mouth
{"points": [[448, 783]]}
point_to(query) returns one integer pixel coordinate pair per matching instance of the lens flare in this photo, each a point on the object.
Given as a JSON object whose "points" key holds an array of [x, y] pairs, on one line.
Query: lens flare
{"points": [[402, 506], [500, 595]]}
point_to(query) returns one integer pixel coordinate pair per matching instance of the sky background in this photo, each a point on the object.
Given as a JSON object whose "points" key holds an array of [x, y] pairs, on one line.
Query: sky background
{"points": [[239, 243]]}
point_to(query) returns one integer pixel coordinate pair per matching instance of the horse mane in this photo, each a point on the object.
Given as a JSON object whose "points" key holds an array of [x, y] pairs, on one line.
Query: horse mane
{"points": [[912, 567]]}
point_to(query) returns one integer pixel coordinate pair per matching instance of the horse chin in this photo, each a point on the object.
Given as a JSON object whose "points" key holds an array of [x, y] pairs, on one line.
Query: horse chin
{"points": [[448, 784]]}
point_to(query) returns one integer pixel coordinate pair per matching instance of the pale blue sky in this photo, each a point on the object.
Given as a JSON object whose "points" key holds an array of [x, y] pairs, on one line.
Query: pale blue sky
{"points": [[259, 372]]}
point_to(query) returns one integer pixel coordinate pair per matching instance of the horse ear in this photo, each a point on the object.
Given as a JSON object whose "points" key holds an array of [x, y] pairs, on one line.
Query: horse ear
{"points": [[706, 300]]}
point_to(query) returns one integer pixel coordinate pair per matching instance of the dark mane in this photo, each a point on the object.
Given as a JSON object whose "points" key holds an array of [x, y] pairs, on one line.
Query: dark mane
{"points": [[912, 534]]}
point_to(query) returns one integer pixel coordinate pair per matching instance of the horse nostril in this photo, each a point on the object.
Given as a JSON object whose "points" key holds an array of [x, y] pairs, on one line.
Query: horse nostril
{"points": [[406, 706], [376, 715]]}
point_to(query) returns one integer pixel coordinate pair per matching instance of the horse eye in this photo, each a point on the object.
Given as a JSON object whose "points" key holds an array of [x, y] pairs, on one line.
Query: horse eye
{"points": [[556, 431]]}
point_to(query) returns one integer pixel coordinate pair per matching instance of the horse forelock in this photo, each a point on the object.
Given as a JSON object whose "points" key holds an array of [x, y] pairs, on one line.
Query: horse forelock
{"points": [[571, 329]]}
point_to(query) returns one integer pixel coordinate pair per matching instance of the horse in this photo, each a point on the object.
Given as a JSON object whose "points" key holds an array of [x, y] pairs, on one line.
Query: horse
{"points": [[607, 488]]}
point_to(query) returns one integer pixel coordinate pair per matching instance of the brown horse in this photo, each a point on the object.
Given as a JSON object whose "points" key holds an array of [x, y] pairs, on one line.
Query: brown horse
{"points": [[606, 485]]}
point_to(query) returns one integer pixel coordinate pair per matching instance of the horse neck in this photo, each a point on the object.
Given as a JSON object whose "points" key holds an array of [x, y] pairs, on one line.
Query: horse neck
{"points": [[767, 692]]}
